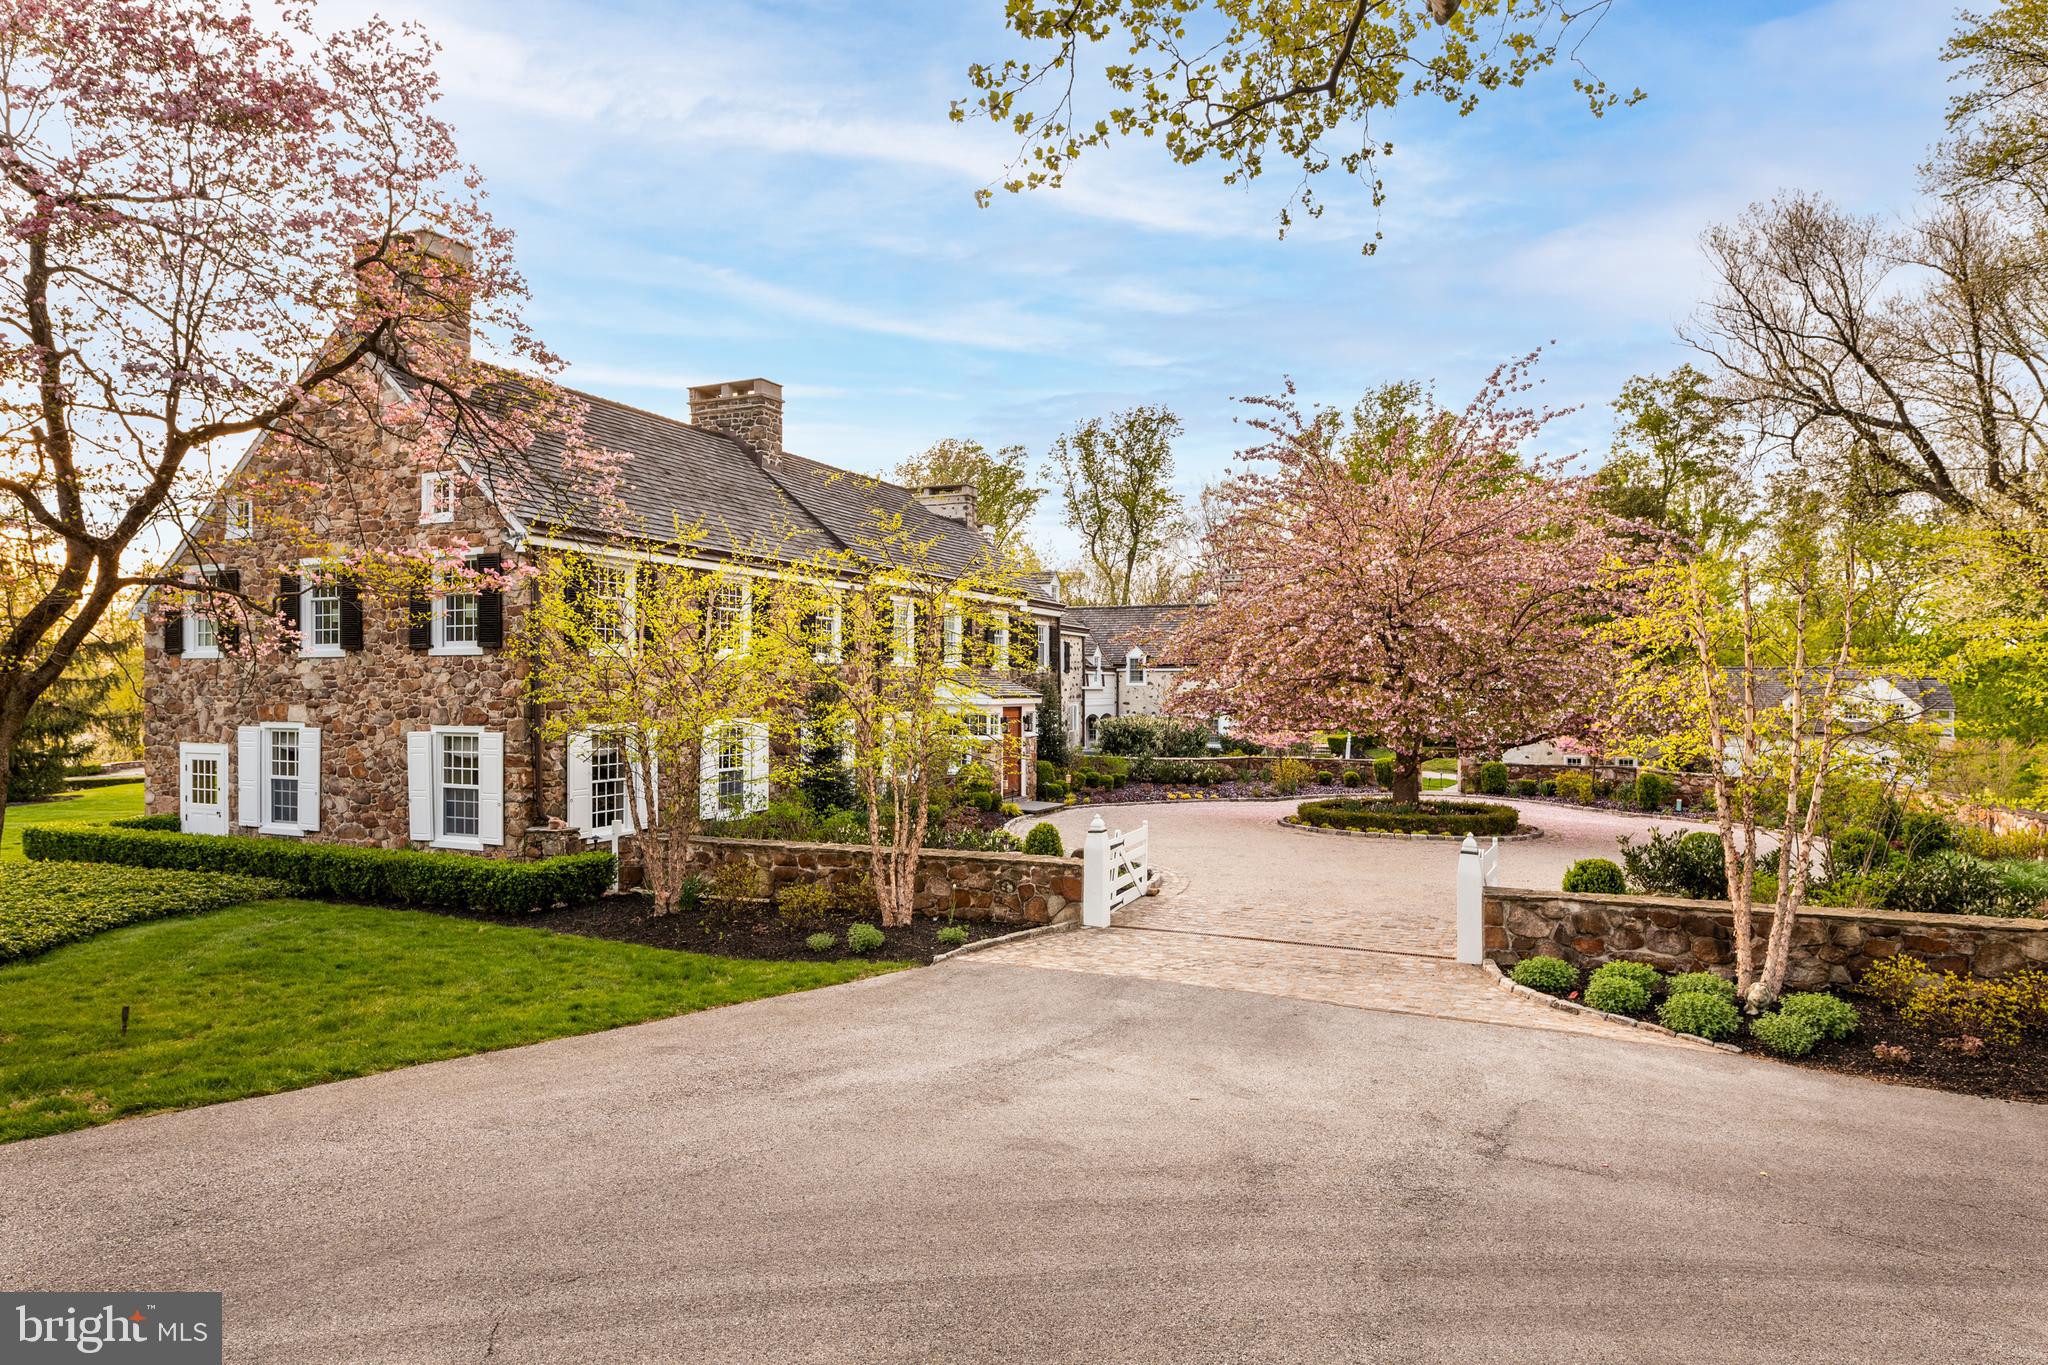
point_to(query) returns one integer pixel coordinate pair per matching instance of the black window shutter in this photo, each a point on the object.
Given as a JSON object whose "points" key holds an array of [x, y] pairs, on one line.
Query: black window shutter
{"points": [[351, 616], [229, 631], [288, 600], [174, 632], [490, 605], [647, 584], [419, 621]]}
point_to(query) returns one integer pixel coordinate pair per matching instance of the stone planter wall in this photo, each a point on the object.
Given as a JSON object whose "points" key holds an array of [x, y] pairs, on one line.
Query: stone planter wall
{"points": [[1830, 947], [1000, 888]]}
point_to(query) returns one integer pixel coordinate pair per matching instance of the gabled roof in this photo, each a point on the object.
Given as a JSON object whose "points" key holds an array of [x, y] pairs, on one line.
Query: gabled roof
{"points": [[676, 474], [1116, 631]]}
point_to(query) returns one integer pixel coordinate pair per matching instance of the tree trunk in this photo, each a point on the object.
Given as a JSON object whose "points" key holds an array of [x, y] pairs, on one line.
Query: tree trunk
{"points": [[1407, 777]]}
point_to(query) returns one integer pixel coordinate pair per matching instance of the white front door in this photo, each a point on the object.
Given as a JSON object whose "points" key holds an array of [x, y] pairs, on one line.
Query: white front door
{"points": [[203, 788]]}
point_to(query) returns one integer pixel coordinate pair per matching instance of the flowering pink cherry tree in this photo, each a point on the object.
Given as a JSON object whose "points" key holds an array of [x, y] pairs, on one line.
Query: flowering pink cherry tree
{"points": [[1425, 577], [221, 227]]}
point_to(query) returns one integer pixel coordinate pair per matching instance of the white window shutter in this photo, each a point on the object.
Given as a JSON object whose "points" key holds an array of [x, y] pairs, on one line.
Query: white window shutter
{"points": [[309, 778], [646, 791], [579, 781], [249, 773], [419, 783], [707, 775], [427, 496], [491, 777], [757, 766]]}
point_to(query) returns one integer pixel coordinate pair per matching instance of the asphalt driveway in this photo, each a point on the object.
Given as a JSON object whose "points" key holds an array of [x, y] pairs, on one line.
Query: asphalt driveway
{"points": [[976, 1162]]}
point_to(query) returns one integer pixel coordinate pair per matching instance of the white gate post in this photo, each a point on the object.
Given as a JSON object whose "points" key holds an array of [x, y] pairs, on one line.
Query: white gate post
{"points": [[1095, 876], [1471, 903]]}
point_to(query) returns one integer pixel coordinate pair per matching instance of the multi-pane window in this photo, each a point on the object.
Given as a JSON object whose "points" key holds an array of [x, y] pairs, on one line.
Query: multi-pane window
{"points": [[953, 629], [461, 773], [1044, 657], [202, 777], [906, 630], [999, 642], [610, 603], [732, 771], [283, 773], [607, 785], [458, 614], [241, 518], [202, 632], [437, 496], [323, 623], [729, 615], [1134, 667]]}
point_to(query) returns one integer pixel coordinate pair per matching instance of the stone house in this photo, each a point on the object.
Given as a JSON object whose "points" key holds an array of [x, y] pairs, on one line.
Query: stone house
{"points": [[1119, 662], [400, 724]]}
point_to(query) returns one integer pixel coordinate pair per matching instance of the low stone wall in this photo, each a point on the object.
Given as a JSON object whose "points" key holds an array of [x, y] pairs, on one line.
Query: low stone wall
{"points": [[1000, 888], [1830, 947]]}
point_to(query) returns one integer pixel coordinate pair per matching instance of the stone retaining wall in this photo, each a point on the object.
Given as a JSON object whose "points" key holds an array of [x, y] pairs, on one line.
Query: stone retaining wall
{"points": [[1830, 947], [1000, 888]]}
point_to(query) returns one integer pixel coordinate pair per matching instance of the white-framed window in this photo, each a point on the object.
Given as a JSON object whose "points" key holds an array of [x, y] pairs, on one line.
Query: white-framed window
{"points": [[733, 775], [608, 597], [1096, 677], [729, 765], [1045, 644], [905, 631], [1625, 762], [437, 496], [601, 778], [455, 782], [1574, 761], [1030, 722], [202, 627], [278, 779], [1134, 667], [455, 618], [955, 631], [999, 642], [321, 612], [821, 628], [732, 606], [239, 519], [609, 802]]}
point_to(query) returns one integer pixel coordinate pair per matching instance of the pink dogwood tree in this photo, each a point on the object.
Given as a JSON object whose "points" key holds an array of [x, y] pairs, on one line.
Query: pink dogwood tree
{"points": [[221, 226], [1419, 574]]}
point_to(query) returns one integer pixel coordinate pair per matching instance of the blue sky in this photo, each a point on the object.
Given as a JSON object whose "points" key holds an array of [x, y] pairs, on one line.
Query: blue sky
{"points": [[715, 191]]}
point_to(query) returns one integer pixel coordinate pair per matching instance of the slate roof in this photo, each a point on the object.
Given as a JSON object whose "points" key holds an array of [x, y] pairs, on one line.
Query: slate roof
{"points": [[1118, 630], [1933, 695], [675, 474]]}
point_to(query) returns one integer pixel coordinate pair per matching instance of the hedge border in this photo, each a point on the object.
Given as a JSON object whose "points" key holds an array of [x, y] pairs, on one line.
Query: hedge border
{"points": [[1525, 834], [340, 871], [1457, 818]]}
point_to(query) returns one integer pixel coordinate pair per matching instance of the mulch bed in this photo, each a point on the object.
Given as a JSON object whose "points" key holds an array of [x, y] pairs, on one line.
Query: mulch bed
{"points": [[629, 919], [1136, 792], [2019, 1072]]}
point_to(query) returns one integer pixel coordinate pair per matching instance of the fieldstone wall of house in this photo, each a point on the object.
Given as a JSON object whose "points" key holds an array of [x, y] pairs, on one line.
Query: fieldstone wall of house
{"points": [[1000, 888], [1830, 946], [364, 702]]}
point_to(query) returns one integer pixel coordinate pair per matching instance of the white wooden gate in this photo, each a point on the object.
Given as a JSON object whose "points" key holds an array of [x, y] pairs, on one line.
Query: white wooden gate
{"points": [[1476, 870], [1116, 869]]}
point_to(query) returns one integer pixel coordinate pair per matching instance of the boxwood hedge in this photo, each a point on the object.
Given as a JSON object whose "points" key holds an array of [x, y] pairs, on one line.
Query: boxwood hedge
{"points": [[395, 876], [45, 904], [1403, 817]]}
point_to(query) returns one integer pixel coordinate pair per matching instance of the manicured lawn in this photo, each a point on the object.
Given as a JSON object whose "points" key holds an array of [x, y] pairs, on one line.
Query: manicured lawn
{"points": [[260, 998], [114, 801]]}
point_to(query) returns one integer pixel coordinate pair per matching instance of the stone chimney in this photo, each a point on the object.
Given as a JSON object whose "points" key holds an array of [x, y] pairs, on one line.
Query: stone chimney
{"points": [[443, 304], [954, 501], [747, 410]]}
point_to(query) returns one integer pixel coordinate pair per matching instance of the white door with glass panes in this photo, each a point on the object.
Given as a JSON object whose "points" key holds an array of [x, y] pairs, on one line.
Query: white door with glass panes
{"points": [[203, 788]]}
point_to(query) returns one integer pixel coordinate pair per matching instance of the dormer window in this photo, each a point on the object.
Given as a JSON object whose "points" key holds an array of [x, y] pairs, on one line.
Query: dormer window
{"points": [[437, 496], [239, 519], [1134, 667]]}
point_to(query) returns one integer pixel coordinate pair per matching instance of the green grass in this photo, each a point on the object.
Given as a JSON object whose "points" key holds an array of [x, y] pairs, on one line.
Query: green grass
{"points": [[95, 807], [260, 998]]}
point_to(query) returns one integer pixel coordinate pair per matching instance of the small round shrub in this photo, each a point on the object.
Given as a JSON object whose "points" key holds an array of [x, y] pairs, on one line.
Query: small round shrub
{"points": [[1700, 983], [1856, 851], [862, 938], [1594, 876], [1351, 777], [1493, 779], [1704, 1014], [1044, 840], [1617, 994], [953, 935], [1551, 975], [1654, 791], [1576, 788], [1383, 772], [822, 942], [1546, 788], [1831, 1015], [1527, 786], [804, 905], [1642, 973], [1924, 832], [1788, 1035]]}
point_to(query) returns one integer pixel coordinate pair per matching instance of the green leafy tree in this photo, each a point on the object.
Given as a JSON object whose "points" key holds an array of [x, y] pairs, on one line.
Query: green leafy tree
{"points": [[1292, 83], [1115, 480], [1004, 496], [1676, 462]]}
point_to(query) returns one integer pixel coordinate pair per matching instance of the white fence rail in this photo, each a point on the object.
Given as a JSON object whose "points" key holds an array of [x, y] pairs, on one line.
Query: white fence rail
{"points": [[1476, 870], [1116, 869]]}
